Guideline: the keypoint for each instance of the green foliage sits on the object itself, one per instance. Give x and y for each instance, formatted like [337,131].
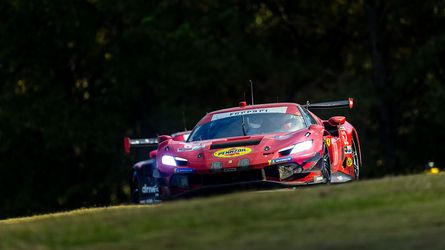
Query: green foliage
[77,76]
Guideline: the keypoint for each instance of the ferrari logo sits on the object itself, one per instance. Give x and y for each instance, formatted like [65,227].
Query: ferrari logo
[349,162]
[328,142]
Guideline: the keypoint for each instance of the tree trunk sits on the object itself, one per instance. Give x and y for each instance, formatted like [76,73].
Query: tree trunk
[376,26]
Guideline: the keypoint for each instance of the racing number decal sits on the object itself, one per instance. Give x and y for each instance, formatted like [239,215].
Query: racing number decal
[232,152]
[349,162]
[328,142]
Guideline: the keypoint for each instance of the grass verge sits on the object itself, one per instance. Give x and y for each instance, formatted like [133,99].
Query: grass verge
[391,213]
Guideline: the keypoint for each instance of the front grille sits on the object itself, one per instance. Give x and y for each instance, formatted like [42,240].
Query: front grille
[233,177]
[272,173]
[217,178]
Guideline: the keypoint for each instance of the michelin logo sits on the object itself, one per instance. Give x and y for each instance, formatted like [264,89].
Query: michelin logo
[280,160]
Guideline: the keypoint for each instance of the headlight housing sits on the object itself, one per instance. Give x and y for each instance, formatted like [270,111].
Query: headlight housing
[173,161]
[296,148]
[302,146]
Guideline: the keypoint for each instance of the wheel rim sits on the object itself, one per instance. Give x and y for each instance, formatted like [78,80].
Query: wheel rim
[355,160]
[326,168]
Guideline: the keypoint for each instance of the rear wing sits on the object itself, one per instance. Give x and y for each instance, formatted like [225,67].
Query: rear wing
[153,142]
[331,105]
[139,143]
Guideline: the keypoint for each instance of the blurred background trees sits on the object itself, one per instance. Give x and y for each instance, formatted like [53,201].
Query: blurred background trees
[78,76]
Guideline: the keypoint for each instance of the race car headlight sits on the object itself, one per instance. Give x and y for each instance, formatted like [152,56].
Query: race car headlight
[173,161]
[168,160]
[180,161]
[302,146]
[286,150]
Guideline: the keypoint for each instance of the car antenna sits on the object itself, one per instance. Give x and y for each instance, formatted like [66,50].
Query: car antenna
[183,121]
[251,91]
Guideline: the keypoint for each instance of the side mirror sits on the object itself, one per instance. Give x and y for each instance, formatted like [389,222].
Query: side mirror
[162,138]
[337,120]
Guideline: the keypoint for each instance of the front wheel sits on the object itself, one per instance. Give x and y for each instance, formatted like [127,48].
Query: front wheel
[326,165]
[143,186]
[355,160]
[135,187]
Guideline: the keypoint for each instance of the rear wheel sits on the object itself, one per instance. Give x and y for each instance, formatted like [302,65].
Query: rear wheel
[326,165]
[355,160]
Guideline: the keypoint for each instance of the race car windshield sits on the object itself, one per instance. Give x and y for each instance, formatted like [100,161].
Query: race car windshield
[250,124]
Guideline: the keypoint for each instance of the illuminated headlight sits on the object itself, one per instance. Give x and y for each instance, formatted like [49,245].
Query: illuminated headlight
[286,150]
[173,161]
[296,148]
[168,160]
[302,146]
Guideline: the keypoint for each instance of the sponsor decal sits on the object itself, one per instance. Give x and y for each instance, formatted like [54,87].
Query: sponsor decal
[229,169]
[348,150]
[232,152]
[328,142]
[344,136]
[149,201]
[150,189]
[349,162]
[183,170]
[280,160]
[249,111]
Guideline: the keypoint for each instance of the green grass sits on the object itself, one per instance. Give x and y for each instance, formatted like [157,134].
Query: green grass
[391,213]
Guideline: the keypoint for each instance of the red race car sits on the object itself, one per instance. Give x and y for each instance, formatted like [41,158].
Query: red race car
[281,144]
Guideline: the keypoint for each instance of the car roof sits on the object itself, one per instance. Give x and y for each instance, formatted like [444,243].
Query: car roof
[283,107]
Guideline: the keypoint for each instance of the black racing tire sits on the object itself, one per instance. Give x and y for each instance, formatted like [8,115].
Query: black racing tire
[326,165]
[356,160]
[135,187]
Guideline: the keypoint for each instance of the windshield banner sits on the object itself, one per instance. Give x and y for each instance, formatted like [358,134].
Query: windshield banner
[248,112]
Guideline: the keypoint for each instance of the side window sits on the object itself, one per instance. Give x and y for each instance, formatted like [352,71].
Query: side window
[307,117]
